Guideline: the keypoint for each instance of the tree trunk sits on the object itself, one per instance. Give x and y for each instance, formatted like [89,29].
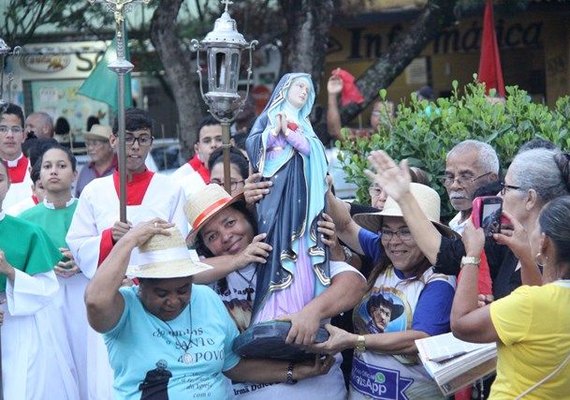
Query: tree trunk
[308,26]
[436,16]
[179,69]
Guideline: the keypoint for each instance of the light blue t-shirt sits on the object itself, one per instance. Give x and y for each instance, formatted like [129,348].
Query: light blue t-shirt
[147,359]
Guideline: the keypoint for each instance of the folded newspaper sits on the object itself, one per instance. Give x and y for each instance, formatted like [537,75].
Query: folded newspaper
[453,363]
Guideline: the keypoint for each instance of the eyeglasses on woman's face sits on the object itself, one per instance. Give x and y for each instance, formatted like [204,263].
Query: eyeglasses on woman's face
[505,188]
[234,185]
[403,234]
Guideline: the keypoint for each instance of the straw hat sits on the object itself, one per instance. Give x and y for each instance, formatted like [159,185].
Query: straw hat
[166,257]
[429,202]
[99,132]
[205,204]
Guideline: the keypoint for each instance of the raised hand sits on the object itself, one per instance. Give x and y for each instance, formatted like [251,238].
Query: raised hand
[393,178]
[473,239]
[334,84]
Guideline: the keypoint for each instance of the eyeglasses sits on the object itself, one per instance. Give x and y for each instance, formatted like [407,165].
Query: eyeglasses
[403,234]
[462,179]
[144,140]
[14,129]
[504,188]
[233,184]
[375,191]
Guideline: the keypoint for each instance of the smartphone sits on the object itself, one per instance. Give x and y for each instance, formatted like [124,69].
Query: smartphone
[486,214]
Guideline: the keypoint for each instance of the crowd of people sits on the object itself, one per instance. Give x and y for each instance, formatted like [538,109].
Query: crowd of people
[96,308]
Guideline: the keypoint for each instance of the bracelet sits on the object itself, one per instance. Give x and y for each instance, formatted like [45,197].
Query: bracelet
[290,380]
[470,261]
[360,344]
[347,254]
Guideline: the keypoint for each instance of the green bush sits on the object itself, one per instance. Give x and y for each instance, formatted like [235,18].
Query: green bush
[423,132]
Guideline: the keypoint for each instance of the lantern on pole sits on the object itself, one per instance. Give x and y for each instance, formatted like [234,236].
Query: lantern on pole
[6,51]
[223,47]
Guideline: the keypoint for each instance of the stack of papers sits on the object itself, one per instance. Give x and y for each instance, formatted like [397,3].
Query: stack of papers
[453,363]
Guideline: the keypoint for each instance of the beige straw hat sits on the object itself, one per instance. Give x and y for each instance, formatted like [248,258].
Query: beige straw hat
[99,132]
[166,257]
[429,202]
[205,204]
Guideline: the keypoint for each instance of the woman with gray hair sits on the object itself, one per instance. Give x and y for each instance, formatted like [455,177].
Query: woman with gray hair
[534,178]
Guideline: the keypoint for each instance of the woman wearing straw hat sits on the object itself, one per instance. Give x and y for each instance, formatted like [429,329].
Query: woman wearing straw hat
[225,231]
[406,279]
[167,338]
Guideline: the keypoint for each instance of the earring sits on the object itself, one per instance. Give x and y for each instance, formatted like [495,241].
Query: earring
[540,260]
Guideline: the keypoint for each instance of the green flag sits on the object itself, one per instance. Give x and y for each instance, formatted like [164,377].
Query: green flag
[102,83]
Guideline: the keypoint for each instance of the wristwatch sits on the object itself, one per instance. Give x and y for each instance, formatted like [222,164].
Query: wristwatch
[470,261]
[290,380]
[360,344]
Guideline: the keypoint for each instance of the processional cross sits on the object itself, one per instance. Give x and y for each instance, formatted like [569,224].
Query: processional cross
[121,67]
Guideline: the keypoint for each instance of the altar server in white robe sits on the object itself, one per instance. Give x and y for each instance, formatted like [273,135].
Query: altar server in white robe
[95,226]
[35,366]
[12,137]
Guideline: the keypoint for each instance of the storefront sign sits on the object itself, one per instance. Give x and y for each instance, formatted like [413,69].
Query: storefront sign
[45,63]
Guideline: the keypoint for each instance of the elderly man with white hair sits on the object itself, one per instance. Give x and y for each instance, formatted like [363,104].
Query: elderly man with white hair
[469,166]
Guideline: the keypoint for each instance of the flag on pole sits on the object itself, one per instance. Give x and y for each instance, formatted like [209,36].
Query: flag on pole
[102,83]
[490,71]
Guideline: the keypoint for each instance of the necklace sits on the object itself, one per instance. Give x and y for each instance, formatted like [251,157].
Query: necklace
[249,290]
[182,345]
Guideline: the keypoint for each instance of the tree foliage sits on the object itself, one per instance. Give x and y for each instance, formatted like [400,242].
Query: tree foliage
[423,132]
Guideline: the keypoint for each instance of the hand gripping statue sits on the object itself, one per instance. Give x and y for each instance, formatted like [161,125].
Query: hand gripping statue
[284,148]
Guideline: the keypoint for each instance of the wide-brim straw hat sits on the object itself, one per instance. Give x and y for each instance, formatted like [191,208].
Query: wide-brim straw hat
[203,205]
[428,200]
[163,257]
[99,132]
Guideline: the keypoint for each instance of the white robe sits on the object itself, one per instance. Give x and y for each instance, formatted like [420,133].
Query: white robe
[189,179]
[18,191]
[35,367]
[98,210]
[21,206]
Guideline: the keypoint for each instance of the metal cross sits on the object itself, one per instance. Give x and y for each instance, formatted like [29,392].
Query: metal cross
[227,3]
[121,67]
[119,7]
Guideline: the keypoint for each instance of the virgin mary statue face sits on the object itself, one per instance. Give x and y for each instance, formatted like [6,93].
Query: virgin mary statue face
[298,93]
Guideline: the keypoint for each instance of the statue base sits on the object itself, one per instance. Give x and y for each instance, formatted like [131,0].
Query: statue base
[267,340]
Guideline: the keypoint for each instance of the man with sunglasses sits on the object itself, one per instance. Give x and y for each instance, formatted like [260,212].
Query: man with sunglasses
[12,137]
[469,166]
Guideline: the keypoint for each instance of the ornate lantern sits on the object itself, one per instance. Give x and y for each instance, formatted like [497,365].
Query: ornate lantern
[223,47]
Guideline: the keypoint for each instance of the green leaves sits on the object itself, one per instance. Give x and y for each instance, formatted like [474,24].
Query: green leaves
[425,131]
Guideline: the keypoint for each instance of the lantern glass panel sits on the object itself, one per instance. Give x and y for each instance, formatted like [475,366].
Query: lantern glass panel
[234,72]
[221,71]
